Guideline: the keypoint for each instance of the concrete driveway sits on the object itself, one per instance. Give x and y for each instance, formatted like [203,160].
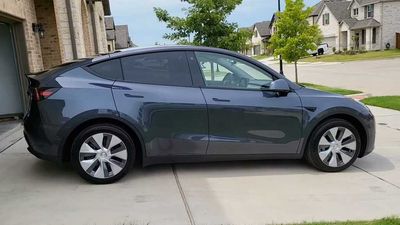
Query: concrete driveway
[262,192]
[379,77]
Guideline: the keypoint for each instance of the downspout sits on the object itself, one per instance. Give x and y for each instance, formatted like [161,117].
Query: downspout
[71,30]
[92,16]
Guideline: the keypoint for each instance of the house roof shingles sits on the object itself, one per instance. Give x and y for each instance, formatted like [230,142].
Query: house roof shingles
[263,28]
[339,9]
[360,24]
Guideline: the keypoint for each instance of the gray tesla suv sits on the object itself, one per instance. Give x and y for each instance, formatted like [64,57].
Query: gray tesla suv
[186,104]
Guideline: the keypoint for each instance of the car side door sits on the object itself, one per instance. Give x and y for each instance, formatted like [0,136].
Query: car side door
[157,95]
[244,116]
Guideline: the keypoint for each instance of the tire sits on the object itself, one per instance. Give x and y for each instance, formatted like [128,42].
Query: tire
[105,162]
[324,150]
[320,51]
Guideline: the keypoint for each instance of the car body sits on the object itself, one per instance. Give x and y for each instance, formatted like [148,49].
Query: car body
[320,50]
[182,104]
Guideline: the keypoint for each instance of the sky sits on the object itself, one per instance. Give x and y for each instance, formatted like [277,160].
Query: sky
[146,30]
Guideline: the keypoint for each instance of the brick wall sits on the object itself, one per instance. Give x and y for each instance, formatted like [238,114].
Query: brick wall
[24,10]
[50,44]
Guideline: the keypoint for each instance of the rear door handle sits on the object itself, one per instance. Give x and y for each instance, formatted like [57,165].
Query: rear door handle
[221,100]
[133,96]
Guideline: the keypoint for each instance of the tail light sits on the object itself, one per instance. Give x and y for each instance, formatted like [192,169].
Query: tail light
[43,93]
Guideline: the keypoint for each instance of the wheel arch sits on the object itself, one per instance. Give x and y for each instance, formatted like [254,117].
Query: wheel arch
[132,131]
[350,118]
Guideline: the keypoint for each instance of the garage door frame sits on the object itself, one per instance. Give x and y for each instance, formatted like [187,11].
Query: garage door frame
[20,54]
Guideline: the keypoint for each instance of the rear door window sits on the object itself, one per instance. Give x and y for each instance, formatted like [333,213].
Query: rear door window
[110,69]
[163,68]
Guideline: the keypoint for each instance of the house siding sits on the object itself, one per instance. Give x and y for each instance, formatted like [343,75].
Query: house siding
[330,31]
[390,23]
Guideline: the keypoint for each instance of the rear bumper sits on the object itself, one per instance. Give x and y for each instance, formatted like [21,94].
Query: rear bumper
[34,150]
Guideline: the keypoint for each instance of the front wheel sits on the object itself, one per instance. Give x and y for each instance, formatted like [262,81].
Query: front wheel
[334,146]
[102,154]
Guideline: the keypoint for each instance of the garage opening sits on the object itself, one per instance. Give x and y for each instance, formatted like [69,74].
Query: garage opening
[10,83]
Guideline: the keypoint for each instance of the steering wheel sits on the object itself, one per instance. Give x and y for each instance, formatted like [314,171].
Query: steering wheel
[232,80]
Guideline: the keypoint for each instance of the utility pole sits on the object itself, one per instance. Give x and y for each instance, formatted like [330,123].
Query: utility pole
[280,56]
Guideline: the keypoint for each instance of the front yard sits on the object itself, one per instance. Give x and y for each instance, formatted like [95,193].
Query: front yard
[387,54]
[390,102]
[385,221]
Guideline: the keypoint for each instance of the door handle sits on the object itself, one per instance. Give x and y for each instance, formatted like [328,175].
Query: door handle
[221,100]
[133,96]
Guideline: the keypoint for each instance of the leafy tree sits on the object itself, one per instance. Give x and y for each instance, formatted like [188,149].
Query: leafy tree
[294,36]
[206,23]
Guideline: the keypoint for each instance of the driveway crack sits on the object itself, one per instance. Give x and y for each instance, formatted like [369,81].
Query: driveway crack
[380,178]
[182,193]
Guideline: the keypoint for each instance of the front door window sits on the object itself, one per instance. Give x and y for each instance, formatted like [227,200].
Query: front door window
[229,72]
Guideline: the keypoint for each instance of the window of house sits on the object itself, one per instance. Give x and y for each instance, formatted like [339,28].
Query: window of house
[355,12]
[325,19]
[230,72]
[110,69]
[374,36]
[363,37]
[164,68]
[255,34]
[369,11]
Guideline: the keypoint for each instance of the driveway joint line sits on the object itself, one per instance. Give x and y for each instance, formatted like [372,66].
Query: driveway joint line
[380,178]
[183,196]
[9,146]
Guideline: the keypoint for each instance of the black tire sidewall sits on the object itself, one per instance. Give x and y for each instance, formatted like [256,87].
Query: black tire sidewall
[102,128]
[312,155]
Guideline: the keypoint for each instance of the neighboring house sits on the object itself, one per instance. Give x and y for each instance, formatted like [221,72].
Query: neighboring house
[122,38]
[36,35]
[359,24]
[110,32]
[258,43]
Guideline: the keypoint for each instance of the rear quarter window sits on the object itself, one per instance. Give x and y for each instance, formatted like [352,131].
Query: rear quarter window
[163,68]
[110,69]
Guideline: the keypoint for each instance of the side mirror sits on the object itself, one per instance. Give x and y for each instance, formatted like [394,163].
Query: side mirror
[280,86]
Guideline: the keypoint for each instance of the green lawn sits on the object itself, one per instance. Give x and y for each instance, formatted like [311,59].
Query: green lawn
[385,221]
[390,102]
[260,57]
[331,89]
[387,54]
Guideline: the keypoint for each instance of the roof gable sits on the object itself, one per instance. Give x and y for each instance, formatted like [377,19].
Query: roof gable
[339,9]
[263,28]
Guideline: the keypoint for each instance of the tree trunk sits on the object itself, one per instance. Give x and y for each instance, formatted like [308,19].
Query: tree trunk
[295,72]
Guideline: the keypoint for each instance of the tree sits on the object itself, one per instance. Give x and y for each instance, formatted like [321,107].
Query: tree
[294,36]
[206,23]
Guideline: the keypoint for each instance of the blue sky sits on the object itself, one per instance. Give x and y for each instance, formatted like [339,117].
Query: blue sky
[145,29]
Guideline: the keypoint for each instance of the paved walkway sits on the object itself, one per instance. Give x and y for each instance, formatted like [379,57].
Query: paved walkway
[379,77]
[280,191]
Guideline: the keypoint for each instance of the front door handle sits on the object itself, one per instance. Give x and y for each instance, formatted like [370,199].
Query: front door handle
[221,100]
[133,96]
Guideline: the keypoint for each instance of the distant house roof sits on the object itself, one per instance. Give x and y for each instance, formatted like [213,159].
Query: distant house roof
[122,39]
[339,9]
[317,8]
[367,2]
[263,28]
[360,24]
[109,22]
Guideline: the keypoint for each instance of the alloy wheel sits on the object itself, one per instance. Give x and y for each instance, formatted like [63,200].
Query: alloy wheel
[103,155]
[337,147]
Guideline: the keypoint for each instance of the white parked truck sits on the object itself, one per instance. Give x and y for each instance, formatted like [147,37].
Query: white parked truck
[321,49]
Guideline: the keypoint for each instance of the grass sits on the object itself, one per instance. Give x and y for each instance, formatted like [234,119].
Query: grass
[334,90]
[387,54]
[260,57]
[390,102]
[384,221]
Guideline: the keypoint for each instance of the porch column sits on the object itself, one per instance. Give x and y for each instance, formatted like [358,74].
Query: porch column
[349,40]
[368,39]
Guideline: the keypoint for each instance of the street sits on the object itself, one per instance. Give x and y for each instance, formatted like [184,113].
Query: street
[381,77]
[256,192]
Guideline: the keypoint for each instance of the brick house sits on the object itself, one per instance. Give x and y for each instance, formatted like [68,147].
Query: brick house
[39,34]
[358,24]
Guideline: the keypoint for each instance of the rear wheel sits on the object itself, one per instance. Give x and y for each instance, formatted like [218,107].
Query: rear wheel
[334,146]
[320,51]
[102,154]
